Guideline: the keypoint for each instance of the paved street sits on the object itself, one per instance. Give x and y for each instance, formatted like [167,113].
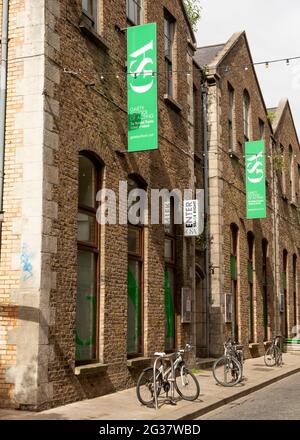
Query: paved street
[123,405]
[280,401]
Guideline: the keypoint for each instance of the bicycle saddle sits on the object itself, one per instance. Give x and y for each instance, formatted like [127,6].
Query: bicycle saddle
[159,354]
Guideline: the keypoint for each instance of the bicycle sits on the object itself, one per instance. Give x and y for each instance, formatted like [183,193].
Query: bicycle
[228,369]
[273,355]
[185,382]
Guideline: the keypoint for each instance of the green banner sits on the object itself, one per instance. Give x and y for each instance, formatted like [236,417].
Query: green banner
[142,88]
[256,180]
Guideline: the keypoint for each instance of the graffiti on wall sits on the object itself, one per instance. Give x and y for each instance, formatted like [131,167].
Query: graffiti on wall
[26,262]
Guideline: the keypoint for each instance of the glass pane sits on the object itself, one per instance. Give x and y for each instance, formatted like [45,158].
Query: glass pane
[86,307]
[139,13]
[85,5]
[131,11]
[86,227]
[169,78]
[169,309]
[134,319]
[88,6]
[134,240]
[87,182]
[168,250]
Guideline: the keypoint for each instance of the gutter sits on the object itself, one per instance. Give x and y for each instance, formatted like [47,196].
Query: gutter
[206,211]
[3,96]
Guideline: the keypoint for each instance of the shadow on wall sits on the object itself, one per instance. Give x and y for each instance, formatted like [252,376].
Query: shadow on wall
[84,387]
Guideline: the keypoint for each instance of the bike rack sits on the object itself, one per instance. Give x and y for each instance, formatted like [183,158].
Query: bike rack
[169,358]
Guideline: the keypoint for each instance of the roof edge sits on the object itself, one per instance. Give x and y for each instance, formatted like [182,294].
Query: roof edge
[188,21]
[283,105]
[227,47]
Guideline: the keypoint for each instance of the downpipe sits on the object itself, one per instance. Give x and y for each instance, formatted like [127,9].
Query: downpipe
[206,209]
[3,96]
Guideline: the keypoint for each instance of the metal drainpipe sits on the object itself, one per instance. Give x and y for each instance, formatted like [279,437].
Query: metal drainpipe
[3,93]
[206,209]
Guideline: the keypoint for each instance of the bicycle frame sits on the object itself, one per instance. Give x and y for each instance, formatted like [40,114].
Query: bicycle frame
[166,372]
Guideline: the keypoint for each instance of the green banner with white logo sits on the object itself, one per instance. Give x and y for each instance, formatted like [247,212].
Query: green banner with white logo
[142,88]
[255,180]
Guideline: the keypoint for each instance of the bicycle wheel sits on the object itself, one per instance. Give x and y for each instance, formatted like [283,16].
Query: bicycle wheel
[145,386]
[278,356]
[270,356]
[227,371]
[186,384]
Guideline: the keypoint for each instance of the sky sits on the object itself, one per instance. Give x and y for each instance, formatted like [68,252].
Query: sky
[273,32]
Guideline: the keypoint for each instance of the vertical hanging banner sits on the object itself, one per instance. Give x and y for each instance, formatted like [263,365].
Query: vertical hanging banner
[142,88]
[255,180]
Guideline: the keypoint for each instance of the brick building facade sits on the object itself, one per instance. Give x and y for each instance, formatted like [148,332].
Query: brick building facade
[287,174]
[247,256]
[83,306]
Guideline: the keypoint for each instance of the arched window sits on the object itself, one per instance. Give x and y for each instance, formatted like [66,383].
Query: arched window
[246,115]
[234,278]
[87,303]
[231,128]
[292,173]
[285,294]
[170,269]
[283,174]
[250,239]
[135,324]
[295,296]
[265,287]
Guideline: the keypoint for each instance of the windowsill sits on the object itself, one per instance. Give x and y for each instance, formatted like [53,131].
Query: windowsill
[90,369]
[88,30]
[234,155]
[131,23]
[138,362]
[172,103]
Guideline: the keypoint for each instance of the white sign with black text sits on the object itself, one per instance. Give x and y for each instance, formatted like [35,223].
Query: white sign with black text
[191,218]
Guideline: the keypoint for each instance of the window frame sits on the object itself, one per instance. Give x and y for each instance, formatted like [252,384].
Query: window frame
[285,286]
[92,17]
[251,284]
[139,257]
[292,173]
[231,98]
[246,115]
[265,249]
[138,8]
[93,248]
[135,182]
[234,252]
[283,174]
[171,264]
[169,41]
[295,290]
[262,128]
